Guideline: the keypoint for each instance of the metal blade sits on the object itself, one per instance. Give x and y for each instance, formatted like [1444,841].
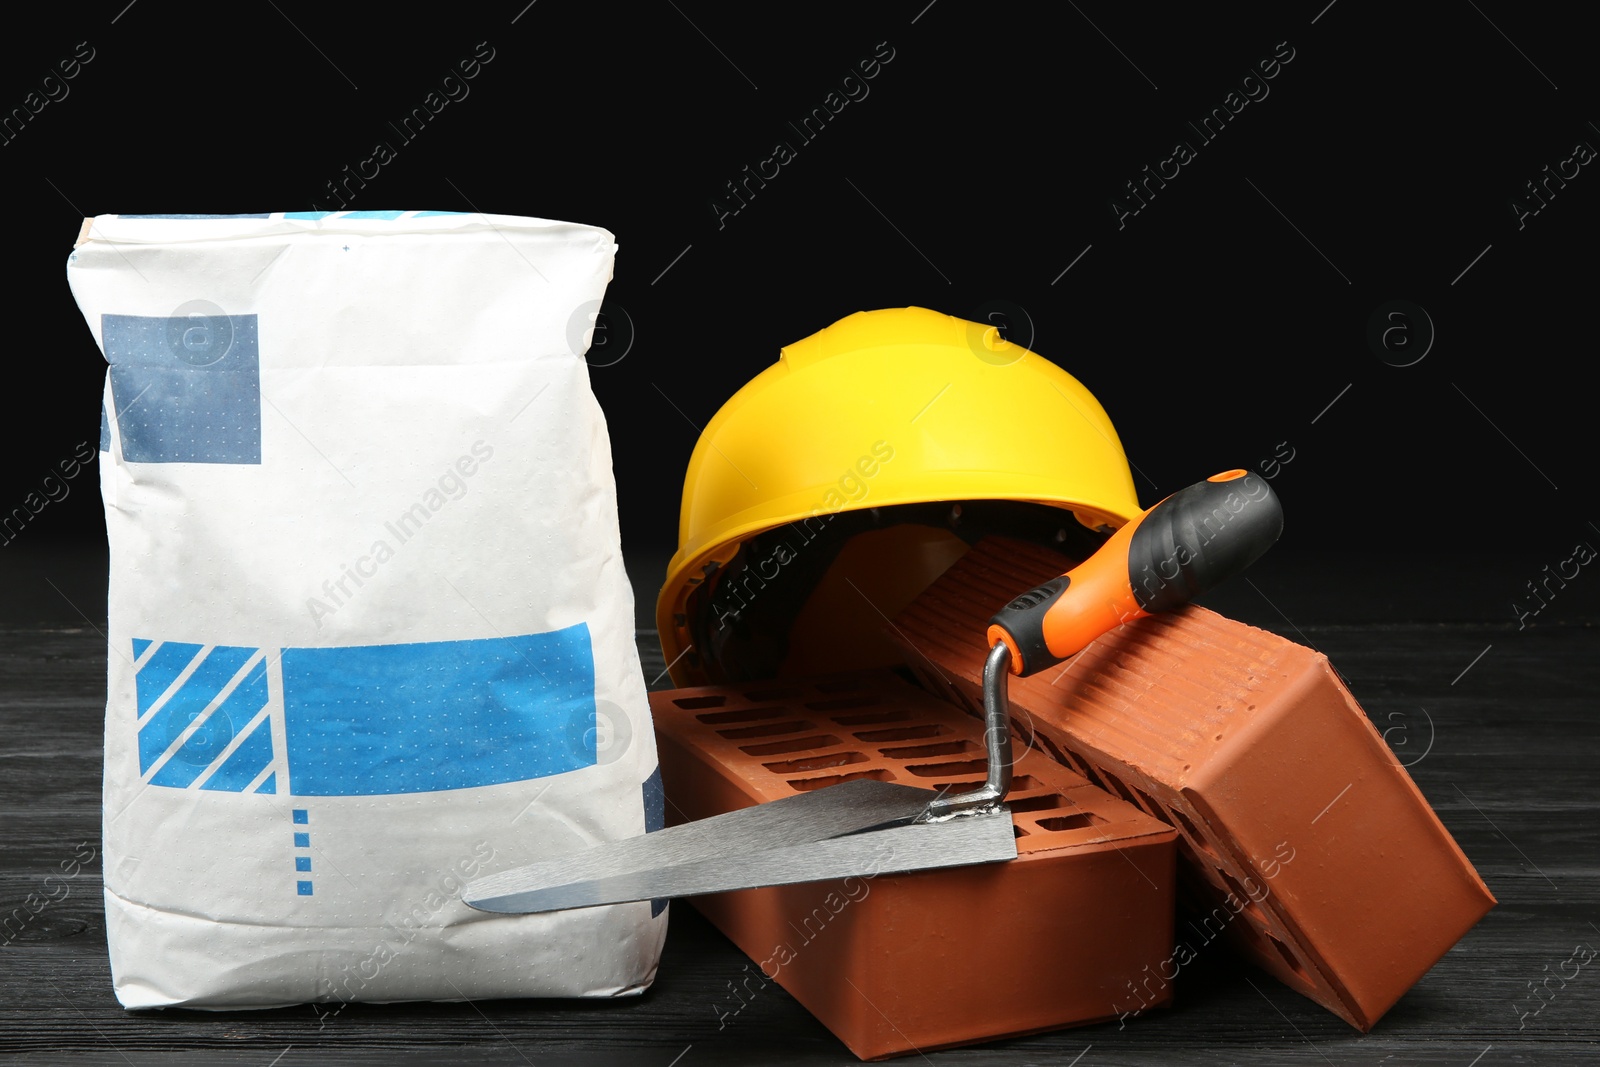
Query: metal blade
[918,846]
[805,817]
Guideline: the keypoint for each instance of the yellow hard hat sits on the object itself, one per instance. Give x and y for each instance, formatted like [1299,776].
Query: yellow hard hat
[881,410]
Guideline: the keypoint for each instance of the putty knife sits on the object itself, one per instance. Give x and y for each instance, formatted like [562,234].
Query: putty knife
[1188,543]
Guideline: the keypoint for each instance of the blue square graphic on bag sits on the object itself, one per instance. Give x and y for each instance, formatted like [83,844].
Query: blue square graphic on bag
[187,387]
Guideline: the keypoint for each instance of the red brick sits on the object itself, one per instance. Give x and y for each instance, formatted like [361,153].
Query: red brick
[1252,747]
[896,963]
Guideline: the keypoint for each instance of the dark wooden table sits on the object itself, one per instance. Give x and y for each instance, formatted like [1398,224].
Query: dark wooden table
[1505,751]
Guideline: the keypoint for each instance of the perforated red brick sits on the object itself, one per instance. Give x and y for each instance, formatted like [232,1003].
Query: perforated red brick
[894,963]
[1286,797]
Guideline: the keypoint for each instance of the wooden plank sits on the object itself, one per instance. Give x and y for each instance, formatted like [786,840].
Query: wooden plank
[1511,772]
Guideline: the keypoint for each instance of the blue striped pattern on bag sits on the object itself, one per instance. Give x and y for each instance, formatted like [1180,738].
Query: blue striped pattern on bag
[366,720]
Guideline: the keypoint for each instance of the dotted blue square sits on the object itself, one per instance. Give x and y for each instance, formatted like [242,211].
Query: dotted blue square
[186,387]
[302,863]
[304,888]
[302,840]
[301,816]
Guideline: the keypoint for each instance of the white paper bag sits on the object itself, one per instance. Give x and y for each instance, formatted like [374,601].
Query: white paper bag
[370,634]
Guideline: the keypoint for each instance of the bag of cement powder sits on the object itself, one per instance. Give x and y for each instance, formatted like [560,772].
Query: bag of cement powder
[370,634]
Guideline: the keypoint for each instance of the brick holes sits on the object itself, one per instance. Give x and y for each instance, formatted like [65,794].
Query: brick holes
[936,770]
[1192,832]
[816,763]
[746,715]
[1090,772]
[1288,957]
[1252,911]
[1060,755]
[1118,788]
[1020,784]
[765,695]
[1047,802]
[867,718]
[941,748]
[900,733]
[691,703]
[769,730]
[793,744]
[805,785]
[844,702]
[1077,821]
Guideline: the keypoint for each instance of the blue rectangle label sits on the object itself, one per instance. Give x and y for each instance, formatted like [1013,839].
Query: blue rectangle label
[187,386]
[415,718]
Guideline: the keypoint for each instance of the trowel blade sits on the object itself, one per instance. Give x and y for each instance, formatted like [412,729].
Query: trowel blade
[804,838]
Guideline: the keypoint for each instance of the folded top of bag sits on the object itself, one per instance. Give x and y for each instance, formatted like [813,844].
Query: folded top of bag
[159,229]
[353,288]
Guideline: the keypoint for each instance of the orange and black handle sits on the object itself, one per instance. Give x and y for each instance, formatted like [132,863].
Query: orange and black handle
[1190,542]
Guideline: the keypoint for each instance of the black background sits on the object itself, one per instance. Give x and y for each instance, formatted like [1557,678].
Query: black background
[1224,322]
[1213,325]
